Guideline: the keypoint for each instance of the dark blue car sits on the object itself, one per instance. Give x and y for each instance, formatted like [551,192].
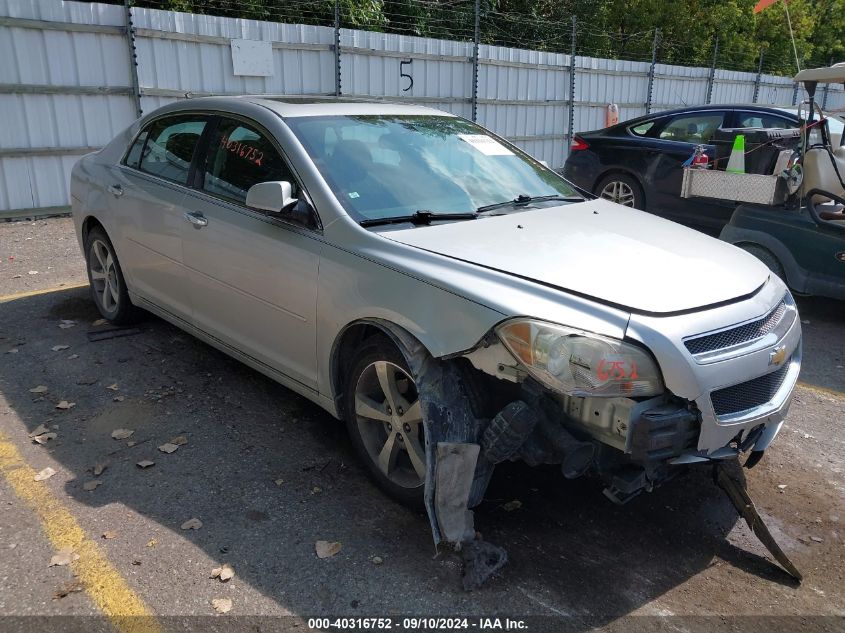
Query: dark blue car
[637,163]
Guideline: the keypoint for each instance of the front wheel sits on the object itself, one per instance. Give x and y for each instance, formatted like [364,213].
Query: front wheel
[108,287]
[385,423]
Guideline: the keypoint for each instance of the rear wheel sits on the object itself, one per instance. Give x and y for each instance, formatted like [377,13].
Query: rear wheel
[108,287]
[384,419]
[621,189]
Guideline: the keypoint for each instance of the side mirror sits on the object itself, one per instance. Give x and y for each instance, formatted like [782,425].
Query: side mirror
[274,196]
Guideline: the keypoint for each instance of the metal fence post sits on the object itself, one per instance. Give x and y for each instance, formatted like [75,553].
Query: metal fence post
[826,88]
[337,48]
[133,58]
[571,134]
[712,77]
[651,70]
[759,73]
[476,41]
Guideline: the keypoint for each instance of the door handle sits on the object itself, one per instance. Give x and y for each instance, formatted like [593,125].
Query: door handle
[116,190]
[197,219]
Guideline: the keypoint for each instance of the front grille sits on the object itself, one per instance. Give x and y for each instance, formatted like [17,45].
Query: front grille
[748,395]
[738,335]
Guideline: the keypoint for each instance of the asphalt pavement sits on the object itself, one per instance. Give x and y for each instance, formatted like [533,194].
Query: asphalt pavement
[267,474]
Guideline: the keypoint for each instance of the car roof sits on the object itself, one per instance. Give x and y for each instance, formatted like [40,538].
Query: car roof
[291,106]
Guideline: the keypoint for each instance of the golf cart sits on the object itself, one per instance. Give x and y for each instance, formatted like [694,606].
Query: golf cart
[792,218]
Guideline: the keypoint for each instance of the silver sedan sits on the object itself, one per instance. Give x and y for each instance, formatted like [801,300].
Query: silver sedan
[450,298]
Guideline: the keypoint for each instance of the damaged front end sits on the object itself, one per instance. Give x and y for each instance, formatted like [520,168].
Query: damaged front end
[545,394]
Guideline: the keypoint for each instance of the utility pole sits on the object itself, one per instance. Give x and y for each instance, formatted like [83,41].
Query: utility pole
[759,73]
[712,77]
[651,70]
[476,41]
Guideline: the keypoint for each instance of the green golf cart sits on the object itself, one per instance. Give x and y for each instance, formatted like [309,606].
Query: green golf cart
[793,220]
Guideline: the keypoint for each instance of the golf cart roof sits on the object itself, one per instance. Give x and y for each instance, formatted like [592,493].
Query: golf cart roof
[833,74]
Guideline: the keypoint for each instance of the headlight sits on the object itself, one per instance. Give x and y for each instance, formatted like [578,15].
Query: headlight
[579,363]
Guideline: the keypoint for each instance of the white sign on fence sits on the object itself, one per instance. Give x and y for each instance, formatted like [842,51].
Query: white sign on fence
[252,58]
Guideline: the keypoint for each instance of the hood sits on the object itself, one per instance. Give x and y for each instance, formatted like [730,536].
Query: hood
[598,249]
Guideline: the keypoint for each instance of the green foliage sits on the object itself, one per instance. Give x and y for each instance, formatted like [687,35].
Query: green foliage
[621,29]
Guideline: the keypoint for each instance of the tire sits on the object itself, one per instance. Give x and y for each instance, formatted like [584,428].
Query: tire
[621,189]
[108,286]
[387,430]
[768,258]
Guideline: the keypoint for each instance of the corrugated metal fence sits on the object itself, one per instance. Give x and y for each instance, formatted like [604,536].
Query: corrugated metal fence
[67,85]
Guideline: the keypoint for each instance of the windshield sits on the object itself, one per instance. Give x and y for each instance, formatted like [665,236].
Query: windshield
[382,166]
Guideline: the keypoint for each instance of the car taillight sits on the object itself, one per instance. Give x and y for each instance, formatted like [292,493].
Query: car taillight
[578,143]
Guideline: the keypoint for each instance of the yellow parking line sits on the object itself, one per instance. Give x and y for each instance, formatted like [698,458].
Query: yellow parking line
[103,583]
[34,293]
[825,390]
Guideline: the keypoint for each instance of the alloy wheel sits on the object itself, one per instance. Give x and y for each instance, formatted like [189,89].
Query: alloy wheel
[389,418]
[104,276]
[618,192]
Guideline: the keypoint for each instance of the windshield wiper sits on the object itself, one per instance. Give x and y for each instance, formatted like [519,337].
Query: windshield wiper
[421,217]
[523,199]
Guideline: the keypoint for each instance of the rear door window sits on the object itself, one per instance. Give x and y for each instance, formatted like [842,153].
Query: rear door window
[760,119]
[696,128]
[239,156]
[168,147]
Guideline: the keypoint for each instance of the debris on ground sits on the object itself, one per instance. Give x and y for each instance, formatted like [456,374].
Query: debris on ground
[510,506]
[377,560]
[179,440]
[105,333]
[192,524]
[109,534]
[38,430]
[118,398]
[145,463]
[43,438]
[45,474]
[65,405]
[63,557]
[59,348]
[113,387]
[326,549]
[74,586]
[222,605]
[99,322]
[279,482]
[122,434]
[168,448]
[224,573]
[66,323]
[39,389]
[99,468]
[481,560]
[92,485]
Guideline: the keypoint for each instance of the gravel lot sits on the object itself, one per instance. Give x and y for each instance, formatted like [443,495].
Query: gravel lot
[268,474]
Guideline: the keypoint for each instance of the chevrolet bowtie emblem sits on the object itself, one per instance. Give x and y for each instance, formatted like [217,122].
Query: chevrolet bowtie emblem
[777,355]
